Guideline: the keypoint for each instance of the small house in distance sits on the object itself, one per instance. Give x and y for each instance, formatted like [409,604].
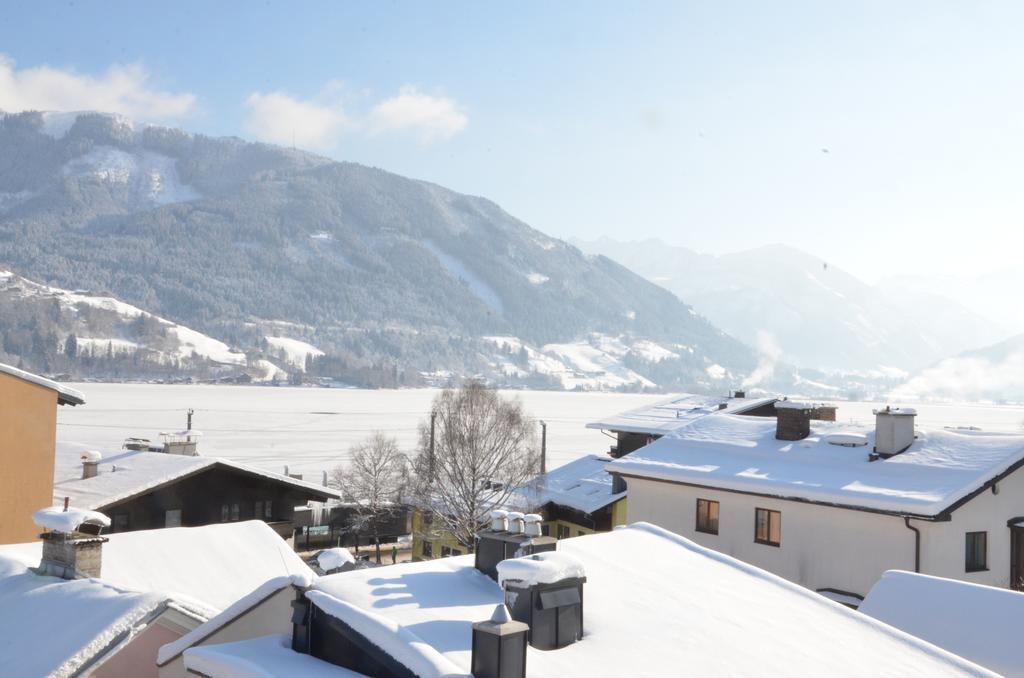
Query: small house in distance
[641,426]
[144,489]
[28,437]
[575,499]
[637,601]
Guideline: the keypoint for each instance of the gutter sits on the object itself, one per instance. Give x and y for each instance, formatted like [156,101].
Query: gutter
[917,543]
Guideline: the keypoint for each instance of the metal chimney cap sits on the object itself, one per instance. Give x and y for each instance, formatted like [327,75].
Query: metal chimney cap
[501,614]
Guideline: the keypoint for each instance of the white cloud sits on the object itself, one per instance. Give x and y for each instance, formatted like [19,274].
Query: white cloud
[320,122]
[279,118]
[124,89]
[430,117]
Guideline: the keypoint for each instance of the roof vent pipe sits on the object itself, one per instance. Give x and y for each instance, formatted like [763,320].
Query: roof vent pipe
[531,525]
[515,523]
[499,521]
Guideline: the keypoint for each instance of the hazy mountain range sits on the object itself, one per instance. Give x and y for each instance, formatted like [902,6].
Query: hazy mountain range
[385,275]
[811,313]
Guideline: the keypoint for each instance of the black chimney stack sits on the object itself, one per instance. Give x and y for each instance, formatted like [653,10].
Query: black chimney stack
[499,646]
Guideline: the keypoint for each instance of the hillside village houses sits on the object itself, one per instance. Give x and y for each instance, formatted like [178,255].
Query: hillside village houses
[28,420]
[831,506]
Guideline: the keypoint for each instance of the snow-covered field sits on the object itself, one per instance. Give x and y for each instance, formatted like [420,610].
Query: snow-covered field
[311,429]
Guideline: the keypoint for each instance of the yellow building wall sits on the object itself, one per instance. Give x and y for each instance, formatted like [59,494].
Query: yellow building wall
[422,533]
[28,438]
[619,512]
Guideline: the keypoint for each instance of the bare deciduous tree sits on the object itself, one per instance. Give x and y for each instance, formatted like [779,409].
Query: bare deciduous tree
[374,479]
[484,448]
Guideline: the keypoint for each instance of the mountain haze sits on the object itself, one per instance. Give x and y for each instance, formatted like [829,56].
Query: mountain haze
[813,313]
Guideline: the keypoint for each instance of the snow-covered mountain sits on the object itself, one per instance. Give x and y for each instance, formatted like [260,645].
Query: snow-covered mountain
[393,280]
[809,312]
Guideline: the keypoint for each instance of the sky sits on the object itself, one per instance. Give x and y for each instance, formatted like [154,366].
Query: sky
[883,137]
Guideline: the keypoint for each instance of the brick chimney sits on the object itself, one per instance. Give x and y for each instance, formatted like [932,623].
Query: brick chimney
[793,420]
[90,464]
[72,545]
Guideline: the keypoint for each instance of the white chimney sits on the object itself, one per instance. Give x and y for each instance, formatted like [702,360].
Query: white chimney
[894,430]
[531,524]
[499,521]
[515,523]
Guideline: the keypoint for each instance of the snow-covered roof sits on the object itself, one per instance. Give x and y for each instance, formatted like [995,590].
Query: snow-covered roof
[742,454]
[259,658]
[666,416]
[65,394]
[204,568]
[582,484]
[212,625]
[333,558]
[53,627]
[653,602]
[127,473]
[980,623]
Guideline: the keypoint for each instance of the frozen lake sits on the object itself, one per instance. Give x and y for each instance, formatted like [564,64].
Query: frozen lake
[311,429]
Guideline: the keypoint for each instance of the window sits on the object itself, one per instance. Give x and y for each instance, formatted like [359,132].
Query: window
[977,552]
[767,527]
[563,532]
[257,511]
[707,516]
[120,522]
[234,512]
[172,518]
[267,511]
[447,551]
[428,549]
[225,513]
[545,530]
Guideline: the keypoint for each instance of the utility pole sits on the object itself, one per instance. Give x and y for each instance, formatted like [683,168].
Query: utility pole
[433,421]
[543,447]
[190,412]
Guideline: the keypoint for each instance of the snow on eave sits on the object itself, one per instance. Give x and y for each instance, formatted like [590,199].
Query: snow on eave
[171,650]
[583,484]
[65,394]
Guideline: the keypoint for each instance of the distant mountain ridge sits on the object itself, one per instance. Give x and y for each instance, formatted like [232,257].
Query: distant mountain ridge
[377,270]
[813,313]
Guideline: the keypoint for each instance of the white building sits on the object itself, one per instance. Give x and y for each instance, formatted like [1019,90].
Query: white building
[651,604]
[832,506]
